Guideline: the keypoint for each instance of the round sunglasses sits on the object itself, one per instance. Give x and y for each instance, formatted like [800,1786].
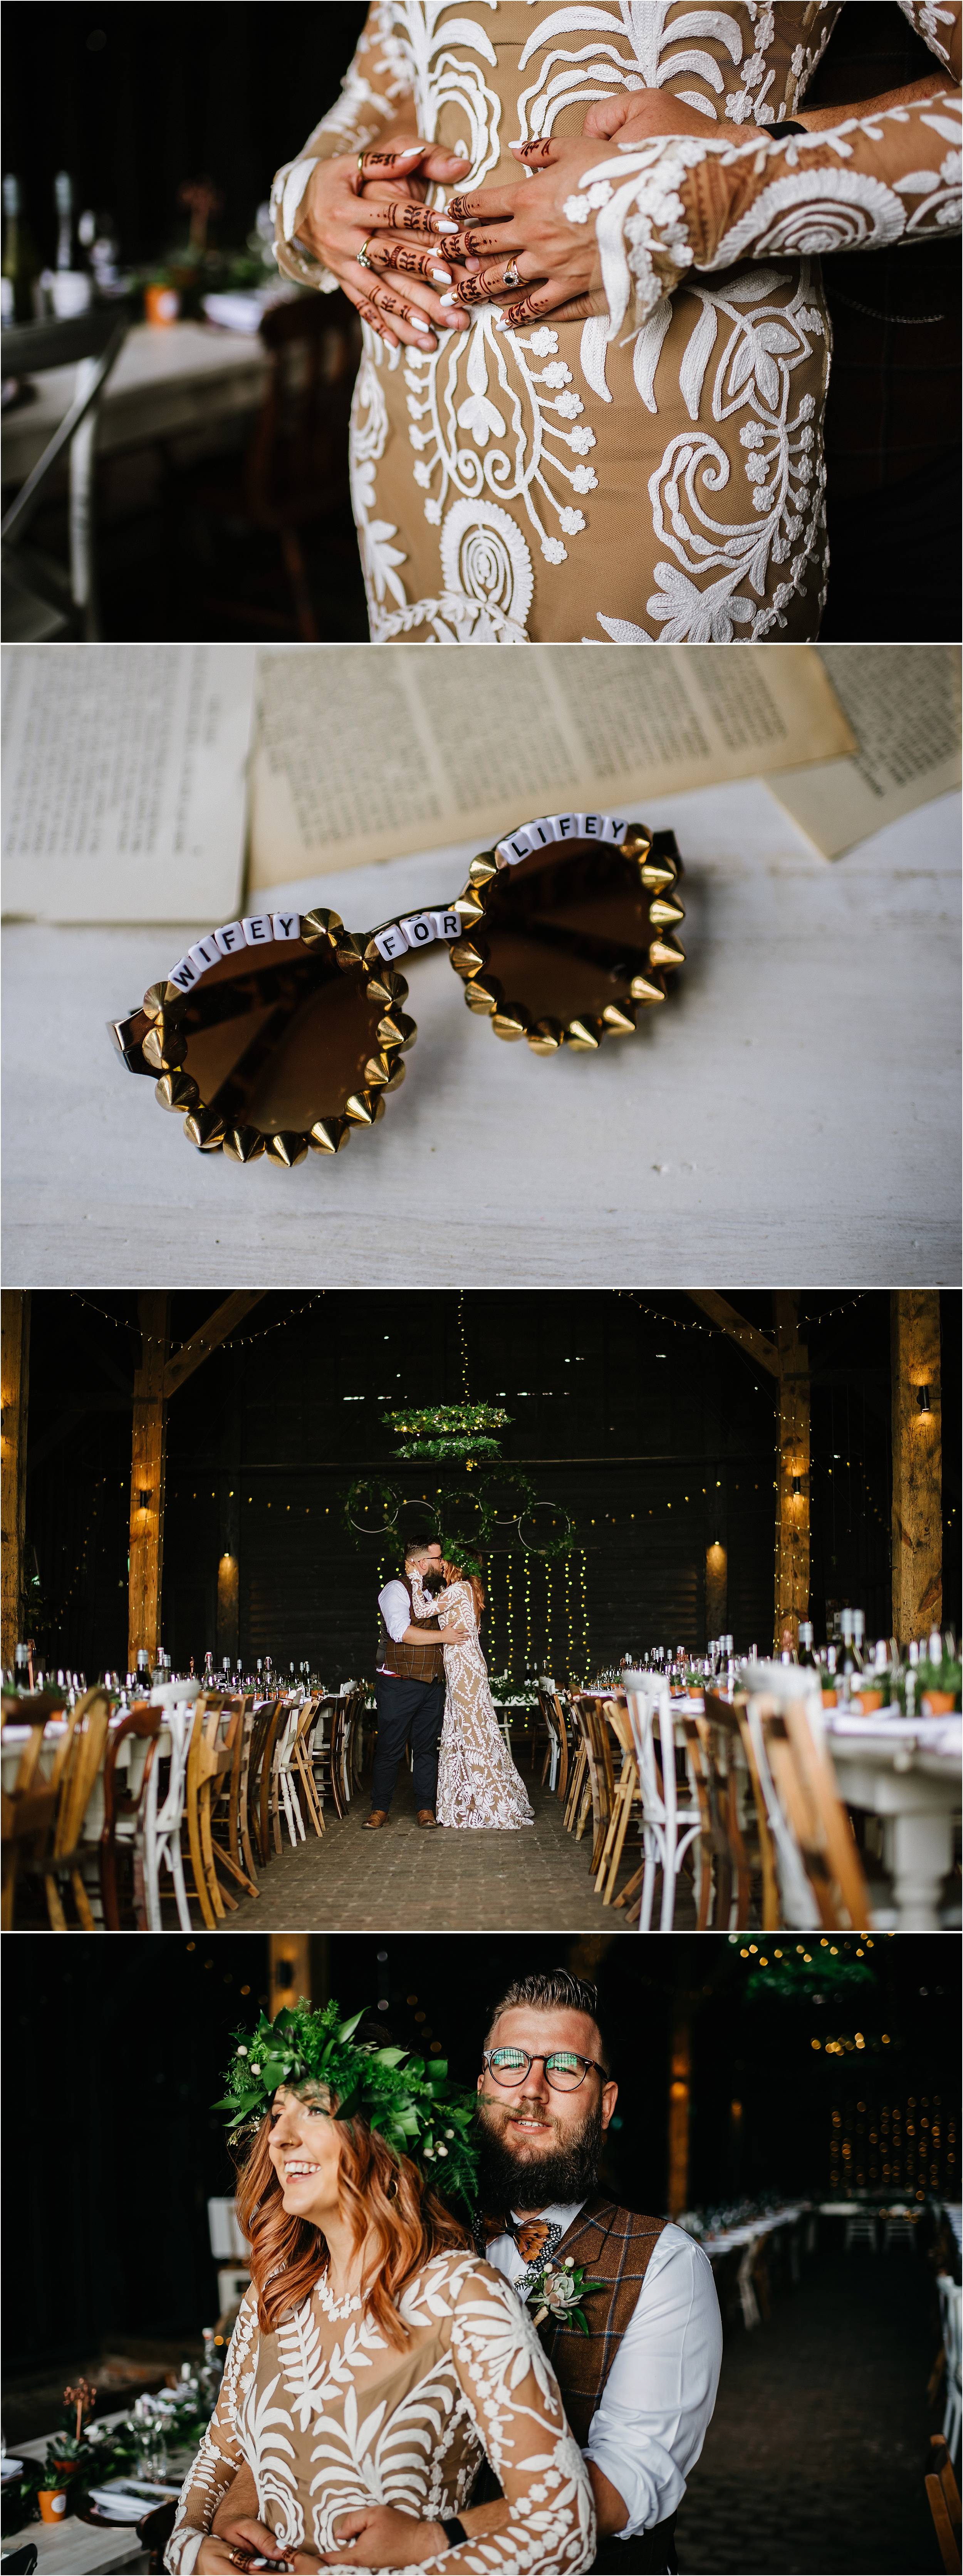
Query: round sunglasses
[280,1033]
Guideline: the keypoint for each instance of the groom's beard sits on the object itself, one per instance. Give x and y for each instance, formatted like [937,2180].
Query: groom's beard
[432,1582]
[565,2169]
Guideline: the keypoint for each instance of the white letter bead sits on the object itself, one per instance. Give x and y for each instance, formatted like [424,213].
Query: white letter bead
[594,826]
[542,832]
[204,953]
[231,937]
[185,973]
[567,826]
[286,925]
[447,925]
[616,827]
[391,942]
[419,929]
[516,846]
[257,929]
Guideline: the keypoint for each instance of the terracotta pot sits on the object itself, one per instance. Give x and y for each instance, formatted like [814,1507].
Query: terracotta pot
[829,1699]
[162,304]
[53,2503]
[937,1703]
[865,1700]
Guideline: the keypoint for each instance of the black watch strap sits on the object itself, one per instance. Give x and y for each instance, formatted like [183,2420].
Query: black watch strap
[454,2530]
[776,133]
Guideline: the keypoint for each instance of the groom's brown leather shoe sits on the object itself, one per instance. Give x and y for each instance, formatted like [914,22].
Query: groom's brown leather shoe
[426,1816]
[378,1816]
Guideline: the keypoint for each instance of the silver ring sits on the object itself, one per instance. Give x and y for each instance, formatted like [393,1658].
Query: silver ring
[510,276]
[363,260]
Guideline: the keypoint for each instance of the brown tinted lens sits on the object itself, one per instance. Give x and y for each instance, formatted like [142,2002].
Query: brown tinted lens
[277,1045]
[565,931]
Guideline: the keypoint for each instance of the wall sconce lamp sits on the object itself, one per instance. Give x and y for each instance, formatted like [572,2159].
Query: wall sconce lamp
[143,1497]
[796,1488]
[923,1404]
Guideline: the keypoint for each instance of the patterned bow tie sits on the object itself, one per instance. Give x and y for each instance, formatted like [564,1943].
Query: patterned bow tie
[531,2235]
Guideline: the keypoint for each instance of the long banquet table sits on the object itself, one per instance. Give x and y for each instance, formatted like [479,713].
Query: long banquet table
[170,381]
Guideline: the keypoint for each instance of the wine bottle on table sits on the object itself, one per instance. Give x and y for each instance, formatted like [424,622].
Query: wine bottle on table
[20,266]
[64,202]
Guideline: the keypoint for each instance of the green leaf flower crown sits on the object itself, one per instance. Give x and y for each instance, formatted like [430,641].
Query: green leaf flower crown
[409,2100]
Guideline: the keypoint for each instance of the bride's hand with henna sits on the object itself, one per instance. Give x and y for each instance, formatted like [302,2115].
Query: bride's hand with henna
[557,262]
[398,286]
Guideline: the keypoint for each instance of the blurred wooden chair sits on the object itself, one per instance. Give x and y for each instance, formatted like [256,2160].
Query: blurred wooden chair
[227,1810]
[812,1815]
[29,1808]
[599,1775]
[121,1839]
[301,1763]
[43,600]
[943,2498]
[328,1752]
[671,1825]
[626,1799]
[295,469]
[75,1773]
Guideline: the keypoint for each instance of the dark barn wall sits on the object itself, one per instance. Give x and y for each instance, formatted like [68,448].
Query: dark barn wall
[137,97]
[634,1406]
[648,1434]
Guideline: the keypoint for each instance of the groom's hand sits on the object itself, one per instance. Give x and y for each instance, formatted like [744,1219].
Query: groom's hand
[380,2537]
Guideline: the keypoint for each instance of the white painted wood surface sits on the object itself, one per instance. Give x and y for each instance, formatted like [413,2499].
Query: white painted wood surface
[792,1117]
[168,379]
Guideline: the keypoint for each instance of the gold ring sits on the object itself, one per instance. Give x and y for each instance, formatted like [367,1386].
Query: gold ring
[510,276]
[363,260]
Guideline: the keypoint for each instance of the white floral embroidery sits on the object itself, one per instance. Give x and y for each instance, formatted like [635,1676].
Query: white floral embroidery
[478,1785]
[330,2422]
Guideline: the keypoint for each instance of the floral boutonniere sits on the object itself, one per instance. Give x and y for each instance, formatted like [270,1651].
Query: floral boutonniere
[557,2291]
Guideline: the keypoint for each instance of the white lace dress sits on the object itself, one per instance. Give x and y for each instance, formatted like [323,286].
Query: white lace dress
[329,2416]
[478,1785]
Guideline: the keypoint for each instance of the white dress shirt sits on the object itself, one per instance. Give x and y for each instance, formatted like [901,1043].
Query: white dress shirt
[395,1609]
[650,2424]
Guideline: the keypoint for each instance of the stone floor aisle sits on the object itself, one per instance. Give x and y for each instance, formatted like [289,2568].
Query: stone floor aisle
[815,2457]
[403,1879]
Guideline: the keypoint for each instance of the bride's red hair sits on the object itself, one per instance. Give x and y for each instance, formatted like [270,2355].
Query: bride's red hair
[476,1587]
[395,2216]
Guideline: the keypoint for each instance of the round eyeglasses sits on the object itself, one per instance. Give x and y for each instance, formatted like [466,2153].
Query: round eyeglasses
[564,2071]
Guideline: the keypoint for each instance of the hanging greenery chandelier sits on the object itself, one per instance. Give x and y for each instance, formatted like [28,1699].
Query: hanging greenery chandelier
[469,1517]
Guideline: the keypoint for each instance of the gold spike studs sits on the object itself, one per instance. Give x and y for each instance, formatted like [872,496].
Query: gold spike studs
[176,1091]
[637,842]
[466,956]
[584,1035]
[647,988]
[162,1048]
[664,915]
[287,1147]
[469,909]
[329,1134]
[320,924]
[483,995]
[364,1107]
[620,1022]
[244,1144]
[658,872]
[397,1074]
[485,866]
[546,1037]
[510,1021]
[153,1002]
[666,952]
[205,1129]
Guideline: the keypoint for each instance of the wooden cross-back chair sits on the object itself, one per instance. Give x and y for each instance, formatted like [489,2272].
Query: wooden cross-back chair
[29,1808]
[742,1850]
[671,1823]
[75,1772]
[943,2498]
[599,1775]
[625,1798]
[121,1837]
[328,1754]
[579,1791]
[354,1748]
[555,1764]
[800,1769]
[227,1806]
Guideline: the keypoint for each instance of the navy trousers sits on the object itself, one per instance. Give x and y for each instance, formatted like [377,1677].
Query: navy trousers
[407,1711]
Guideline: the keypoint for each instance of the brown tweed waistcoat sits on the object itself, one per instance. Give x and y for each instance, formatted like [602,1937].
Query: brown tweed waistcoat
[615,2246]
[412,1663]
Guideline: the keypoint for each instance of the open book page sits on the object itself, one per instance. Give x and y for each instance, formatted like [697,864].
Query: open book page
[903,703]
[364,755]
[125,781]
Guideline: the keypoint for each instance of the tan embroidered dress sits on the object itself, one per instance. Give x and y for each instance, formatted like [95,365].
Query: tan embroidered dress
[328,2416]
[655,473]
[478,1785]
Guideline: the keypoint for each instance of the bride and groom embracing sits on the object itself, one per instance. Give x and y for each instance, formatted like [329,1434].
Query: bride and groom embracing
[432,1676]
[528,2390]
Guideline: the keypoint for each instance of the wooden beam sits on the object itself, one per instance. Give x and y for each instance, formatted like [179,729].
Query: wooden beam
[148,1458]
[729,1321]
[14,1394]
[680,2105]
[207,1339]
[917,1463]
[793,1465]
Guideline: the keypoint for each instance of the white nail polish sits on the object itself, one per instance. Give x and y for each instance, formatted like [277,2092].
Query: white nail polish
[444,226]
[442,276]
